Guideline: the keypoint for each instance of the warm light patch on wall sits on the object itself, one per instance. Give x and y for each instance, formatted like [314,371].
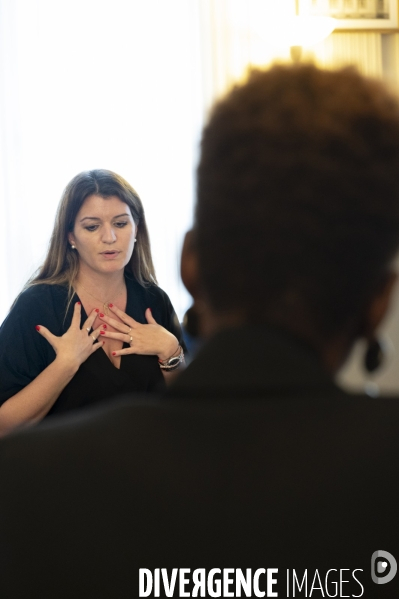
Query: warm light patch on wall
[285,25]
[257,33]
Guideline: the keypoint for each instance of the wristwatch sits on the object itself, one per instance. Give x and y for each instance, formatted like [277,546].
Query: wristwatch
[173,362]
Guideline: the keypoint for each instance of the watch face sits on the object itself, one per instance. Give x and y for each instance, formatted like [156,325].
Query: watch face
[174,361]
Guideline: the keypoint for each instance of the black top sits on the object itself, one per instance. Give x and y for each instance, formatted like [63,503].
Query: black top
[255,459]
[24,353]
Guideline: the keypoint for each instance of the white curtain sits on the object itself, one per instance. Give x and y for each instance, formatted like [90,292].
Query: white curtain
[96,84]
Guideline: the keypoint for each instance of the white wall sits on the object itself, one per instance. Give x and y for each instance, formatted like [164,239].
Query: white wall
[96,84]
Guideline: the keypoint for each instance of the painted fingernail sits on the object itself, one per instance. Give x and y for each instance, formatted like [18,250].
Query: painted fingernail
[110,305]
[150,310]
[78,303]
[114,353]
[102,332]
[104,326]
[37,327]
[101,315]
[103,342]
[97,310]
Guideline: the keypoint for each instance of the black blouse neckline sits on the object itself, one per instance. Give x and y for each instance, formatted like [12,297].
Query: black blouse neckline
[24,353]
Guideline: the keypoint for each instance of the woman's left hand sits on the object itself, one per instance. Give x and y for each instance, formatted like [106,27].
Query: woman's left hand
[148,339]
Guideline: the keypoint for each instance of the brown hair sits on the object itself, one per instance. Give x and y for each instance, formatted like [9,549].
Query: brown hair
[297,218]
[61,264]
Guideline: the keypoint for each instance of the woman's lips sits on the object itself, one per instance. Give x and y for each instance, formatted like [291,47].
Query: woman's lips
[110,255]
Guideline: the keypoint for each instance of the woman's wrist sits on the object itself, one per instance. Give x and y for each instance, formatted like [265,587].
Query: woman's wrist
[170,351]
[174,361]
[67,366]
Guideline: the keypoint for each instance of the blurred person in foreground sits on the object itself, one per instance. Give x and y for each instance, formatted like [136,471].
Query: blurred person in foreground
[255,459]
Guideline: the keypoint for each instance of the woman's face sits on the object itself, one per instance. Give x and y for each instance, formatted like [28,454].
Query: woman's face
[103,234]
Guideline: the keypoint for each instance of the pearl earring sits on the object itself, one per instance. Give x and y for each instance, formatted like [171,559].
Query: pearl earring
[73,247]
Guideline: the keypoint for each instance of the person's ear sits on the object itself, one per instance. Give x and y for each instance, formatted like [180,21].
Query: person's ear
[379,306]
[71,239]
[189,265]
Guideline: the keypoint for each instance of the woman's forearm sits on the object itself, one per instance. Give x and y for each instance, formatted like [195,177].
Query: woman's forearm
[34,401]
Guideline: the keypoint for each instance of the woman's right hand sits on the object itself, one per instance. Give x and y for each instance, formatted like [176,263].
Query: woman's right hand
[77,344]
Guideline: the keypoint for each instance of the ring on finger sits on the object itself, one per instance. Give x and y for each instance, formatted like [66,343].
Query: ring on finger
[131,339]
[88,329]
[94,338]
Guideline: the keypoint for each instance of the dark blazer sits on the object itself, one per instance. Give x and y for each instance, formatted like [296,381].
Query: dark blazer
[254,460]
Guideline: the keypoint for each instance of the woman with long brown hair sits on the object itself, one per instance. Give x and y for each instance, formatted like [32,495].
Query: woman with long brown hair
[92,323]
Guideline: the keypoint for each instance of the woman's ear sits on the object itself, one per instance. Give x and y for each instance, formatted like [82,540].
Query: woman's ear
[189,265]
[379,306]
[70,239]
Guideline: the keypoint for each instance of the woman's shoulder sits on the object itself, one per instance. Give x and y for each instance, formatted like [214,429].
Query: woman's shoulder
[147,291]
[41,294]
[40,304]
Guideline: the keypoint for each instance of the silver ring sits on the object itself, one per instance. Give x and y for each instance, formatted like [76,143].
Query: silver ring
[131,339]
[88,329]
[94,338]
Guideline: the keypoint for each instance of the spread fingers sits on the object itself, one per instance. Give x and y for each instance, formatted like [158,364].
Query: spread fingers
[119,326]
[90,320]
[128,320]
[126,338]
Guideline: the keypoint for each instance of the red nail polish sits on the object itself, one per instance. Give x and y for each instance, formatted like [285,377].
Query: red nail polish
[101,315]
[102,332]
[114,353]
[97,310]
[150,310]
[103,342]
[37,328]
[104,326]
[110,305]
[78,303]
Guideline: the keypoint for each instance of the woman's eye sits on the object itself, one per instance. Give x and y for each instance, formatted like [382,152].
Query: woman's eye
[121,224]
[91,227]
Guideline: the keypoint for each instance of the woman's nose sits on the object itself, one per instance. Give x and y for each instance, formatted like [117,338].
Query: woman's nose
[109,235]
